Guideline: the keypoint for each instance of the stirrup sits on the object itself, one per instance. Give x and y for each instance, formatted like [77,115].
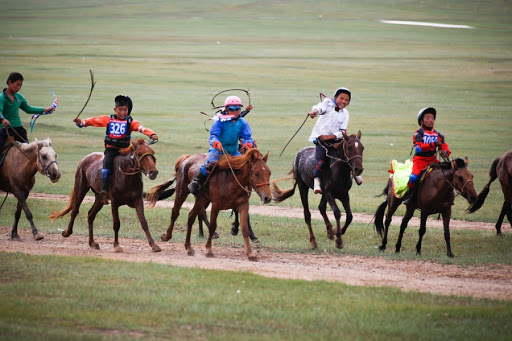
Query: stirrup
[194,187]
[104,197]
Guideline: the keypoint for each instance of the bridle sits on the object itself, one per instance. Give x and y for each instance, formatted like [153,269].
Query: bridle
[44,170]
[346,159]
[461,191]
[136,160]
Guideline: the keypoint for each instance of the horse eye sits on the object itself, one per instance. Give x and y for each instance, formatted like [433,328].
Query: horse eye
[45,157]
[461,178]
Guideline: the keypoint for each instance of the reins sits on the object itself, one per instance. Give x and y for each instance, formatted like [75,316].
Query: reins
[138,161]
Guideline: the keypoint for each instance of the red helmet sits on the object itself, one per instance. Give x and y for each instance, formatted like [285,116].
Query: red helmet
[232,100]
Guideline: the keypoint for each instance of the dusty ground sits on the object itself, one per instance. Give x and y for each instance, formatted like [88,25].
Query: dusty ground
[424,276]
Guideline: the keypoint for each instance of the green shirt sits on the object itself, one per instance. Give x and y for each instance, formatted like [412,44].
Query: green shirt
[10,109]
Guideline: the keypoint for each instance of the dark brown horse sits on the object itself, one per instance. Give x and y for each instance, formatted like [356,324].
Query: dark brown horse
[17,176]
[435,194]
[346,161]
[161,192]
[125,188]
[501,169]
[229,187]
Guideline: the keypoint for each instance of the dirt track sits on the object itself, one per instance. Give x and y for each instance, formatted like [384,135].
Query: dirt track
[423,276]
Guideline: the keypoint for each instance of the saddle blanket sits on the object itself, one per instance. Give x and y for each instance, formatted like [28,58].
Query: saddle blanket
[400,173]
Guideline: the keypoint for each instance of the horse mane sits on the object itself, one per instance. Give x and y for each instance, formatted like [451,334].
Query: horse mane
[128,150]
[448,164]
[238,163]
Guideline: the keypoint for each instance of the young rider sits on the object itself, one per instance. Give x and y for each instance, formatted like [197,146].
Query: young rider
[225,134]
[331,125]
[10,103]
[118,134]
[426,142]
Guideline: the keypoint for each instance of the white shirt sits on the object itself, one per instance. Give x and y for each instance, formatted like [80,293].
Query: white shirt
[330,121]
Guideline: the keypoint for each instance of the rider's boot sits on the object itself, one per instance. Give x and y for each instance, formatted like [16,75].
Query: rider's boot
[316,186]
[197,183]
[408,197]
[105,177]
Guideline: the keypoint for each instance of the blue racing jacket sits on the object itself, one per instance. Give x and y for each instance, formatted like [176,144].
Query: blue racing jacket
[229,132]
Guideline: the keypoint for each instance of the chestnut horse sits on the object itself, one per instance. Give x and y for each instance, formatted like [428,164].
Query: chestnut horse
[125,188]
[229,187]
[501,169]
[17,176]
[346,161]
[160,192]
[435,194]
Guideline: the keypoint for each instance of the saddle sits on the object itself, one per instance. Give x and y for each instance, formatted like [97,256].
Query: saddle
[400,173]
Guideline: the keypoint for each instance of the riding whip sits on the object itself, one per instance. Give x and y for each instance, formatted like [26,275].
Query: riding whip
[93,83]
[54,106]
[247,92]
[307,116]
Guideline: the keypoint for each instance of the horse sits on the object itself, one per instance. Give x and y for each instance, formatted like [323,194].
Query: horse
[435,194]
[501,169]
[160,192]
[17,176]
[125,189]
[229,187]
[346,162]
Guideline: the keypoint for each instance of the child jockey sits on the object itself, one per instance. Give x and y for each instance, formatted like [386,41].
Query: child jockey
[426,141]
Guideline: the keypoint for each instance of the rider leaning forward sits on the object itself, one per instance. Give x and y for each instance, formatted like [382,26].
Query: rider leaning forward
[426,142]
[117,136]
[10,103]
[226,133]
[331,125]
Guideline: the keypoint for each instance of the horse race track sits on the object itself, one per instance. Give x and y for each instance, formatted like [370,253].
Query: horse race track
[425,276]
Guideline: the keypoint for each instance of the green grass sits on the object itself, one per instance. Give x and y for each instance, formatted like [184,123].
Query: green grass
[62,298]
[171,58]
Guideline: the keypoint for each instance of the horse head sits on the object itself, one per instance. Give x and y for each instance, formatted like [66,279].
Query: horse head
[353,154]
[463,180]
[260,175]
[47,160]
[144,159]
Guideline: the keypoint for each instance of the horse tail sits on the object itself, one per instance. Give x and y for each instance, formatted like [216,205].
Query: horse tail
[480,199]
[278,194]
[379,218]
[56,215]
[159,193]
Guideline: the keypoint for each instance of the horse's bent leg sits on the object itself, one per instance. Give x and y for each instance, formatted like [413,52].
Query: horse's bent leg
[405,220]
[253,238]
[421,232]
[76,201]
[348,211]
[22,204]
[116,226]
[307,214]
[322,207]
[139,208]
[389,217]
[91,215]
[211,231]
[190,221]
[14,230]
[446,224]
[178,202]
[337,216]
[235,225]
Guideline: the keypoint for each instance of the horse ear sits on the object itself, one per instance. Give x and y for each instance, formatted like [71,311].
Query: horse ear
[466,161]
[359,134]
[265,158]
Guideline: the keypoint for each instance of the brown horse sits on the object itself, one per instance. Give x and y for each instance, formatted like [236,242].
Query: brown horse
[346,162]
[435,194]
[125,188]
[501,169]
[161,192]
[17,176]
[229,187]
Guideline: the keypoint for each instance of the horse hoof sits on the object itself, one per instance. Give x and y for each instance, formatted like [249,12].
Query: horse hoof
[234,232]
[252,258]
[451,255]
[215,236]
[156,248]
[65,234]
[164,238]
[209,254]
[118,249]
[330,236]
[382,248]
[16,238]
[38,236]
[190,252]
[339,245]
[314,246]
[95,246]
[255,240]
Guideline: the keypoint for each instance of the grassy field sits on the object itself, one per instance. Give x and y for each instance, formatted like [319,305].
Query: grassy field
[171,58]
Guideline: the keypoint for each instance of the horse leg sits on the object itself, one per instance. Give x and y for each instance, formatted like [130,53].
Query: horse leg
[178,202]
[91,215]
[22,204]
[509,212]
[392,207]
[236,224]
[139,208]
[194,212]
[501,217]
[116,226]
[244,218]
[337,216]
[322,207]
[76,201]
[253,238]
[421,232]
[405,220]
[446,225]
[349,216]
[307,214]
[211,231]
